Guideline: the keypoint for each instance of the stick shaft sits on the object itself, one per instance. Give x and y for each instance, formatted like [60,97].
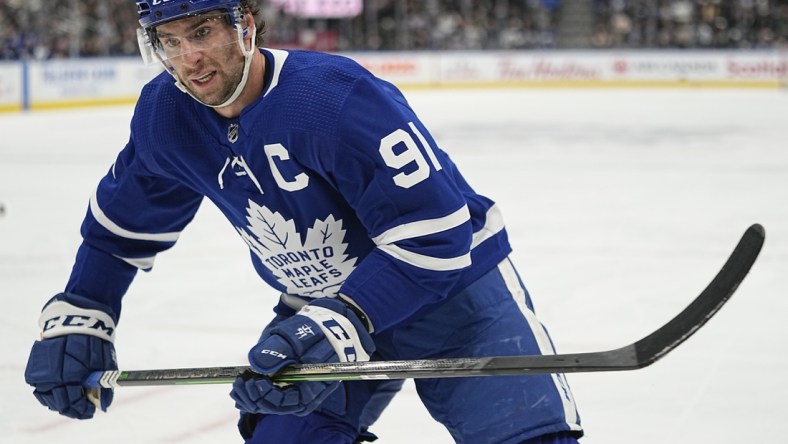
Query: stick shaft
[630,357]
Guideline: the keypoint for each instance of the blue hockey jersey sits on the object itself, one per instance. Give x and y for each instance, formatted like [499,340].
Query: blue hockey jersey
[329,177]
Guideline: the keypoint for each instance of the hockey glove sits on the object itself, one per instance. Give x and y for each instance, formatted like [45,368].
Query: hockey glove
[76,339]
[326,330]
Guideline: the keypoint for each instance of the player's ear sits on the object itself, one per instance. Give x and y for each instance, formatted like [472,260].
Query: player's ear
[248,23]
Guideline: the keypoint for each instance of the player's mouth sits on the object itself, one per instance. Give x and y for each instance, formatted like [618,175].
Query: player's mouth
[204,79]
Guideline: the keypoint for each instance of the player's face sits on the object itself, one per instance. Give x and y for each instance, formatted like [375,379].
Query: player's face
[205,54]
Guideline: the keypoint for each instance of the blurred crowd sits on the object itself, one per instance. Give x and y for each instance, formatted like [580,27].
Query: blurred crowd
[436,24]
[747,24]
[43,29]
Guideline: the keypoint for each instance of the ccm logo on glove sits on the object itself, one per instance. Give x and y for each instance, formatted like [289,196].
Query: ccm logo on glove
[273,353]
[61,318]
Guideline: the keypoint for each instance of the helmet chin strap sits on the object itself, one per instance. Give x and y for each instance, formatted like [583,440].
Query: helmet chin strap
[247,63]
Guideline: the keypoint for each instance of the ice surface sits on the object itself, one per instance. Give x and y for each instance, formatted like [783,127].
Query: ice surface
[621,206]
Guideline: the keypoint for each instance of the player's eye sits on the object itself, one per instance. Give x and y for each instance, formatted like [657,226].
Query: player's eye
[169,42]
[202,32]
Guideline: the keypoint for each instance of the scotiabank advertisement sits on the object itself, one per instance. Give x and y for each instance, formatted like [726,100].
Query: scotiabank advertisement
[757,67]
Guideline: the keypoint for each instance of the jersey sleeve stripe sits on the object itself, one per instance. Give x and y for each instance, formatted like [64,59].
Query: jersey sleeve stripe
[143,263]
[493,224]
[113,228]
[427,262]
[423,227]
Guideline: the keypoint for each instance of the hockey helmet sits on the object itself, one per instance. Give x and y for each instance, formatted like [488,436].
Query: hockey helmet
[152,13]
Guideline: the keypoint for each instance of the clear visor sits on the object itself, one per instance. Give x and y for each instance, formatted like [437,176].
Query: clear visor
[171,42]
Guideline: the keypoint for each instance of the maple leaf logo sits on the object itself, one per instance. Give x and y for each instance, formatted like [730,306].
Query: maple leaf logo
[314,267]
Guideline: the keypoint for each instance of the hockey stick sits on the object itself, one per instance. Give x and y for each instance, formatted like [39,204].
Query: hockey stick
[630,357]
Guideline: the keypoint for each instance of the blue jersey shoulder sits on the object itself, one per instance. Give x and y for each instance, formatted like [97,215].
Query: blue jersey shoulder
[309,91]
[161,116]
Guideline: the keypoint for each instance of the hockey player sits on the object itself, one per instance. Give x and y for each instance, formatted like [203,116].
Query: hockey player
[380,248]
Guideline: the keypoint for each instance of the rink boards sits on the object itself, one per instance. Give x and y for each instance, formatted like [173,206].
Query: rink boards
[98,81]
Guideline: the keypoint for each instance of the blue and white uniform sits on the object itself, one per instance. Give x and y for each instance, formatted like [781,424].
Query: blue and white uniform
[337,187]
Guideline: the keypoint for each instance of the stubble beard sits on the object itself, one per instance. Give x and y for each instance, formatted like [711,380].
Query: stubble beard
[229,72]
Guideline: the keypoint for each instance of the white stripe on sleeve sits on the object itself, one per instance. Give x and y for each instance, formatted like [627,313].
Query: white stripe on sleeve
[493,223]
[113,228]
[424,227]
[427,262]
